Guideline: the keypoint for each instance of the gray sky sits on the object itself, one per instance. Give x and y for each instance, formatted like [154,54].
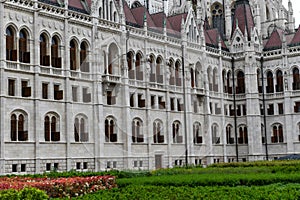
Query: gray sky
[296,7]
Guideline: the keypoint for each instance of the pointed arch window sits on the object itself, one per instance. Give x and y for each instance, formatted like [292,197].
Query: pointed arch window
[73,55]
[176,130]
[24,54]
[215,80]
[44,55]
[110,130]
[270,82]
[18,124]
[55,59]
[215,134]
[177,73]
[11,52]
[243,135]
[138,67]
[296,79]
[159,76]
[229,135]
[240,89]
[51,128]
[84,64]
[279,80]
[137,134]
[158,135]
[131,71]
[277,134]
[80,129]
[198,139]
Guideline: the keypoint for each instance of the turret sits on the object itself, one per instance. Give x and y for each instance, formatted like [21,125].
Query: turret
[291,19]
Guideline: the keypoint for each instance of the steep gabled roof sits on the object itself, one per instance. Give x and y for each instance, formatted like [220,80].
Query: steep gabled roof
[139,13]
[158,19]
[78,5]
[243,17]
[175,21]
[212,38]
[296,39]
[274,41]
[128,14]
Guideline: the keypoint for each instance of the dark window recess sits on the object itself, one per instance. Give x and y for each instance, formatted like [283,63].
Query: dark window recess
[58,94]
[141,101]
[217,110]
[111,100]
[297,107]
[179,105]
[45,90]
[152,101]
[172,103]
[271,109]
[74,94]
[131,100]
[11,87]
[48,166]
[23,167]
[78,165]
[280,109]
[85,165]
[244,109]
[161,103]
[26,91]
[14,168]
[55,166]
[86,97]
[11,53]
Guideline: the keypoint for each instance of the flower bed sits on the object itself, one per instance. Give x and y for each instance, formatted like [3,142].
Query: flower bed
[60,187]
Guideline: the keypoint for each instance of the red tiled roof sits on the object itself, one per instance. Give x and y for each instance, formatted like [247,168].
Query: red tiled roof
[175,21]
[128,14]
[243,18]
[78,4]
[158,19]
[212,36]
[138,14]
[274,41]
[296,38]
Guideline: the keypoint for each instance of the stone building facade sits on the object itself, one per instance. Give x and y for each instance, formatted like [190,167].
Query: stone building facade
[111,84]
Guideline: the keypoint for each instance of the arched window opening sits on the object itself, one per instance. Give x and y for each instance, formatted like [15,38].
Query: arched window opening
[209,77]
[24,54]
[158,136]
[138,67]
[55,59]
[215,81]
[110,134]
[270,84]
[80,129]
[11,52]
[51,129]
[44,57]
[215,134]
[18,130]
[296,79]
[131,71]
[198,139]
[229,83]
[218,21]
[279,80]
[243,135]
[73,55]
[84,64]
[113,60]
[277,134]
[176,130]
[177,73]
[151,60]
[137,135]
[159,76]
[229,135]
[111,10]
[240,89]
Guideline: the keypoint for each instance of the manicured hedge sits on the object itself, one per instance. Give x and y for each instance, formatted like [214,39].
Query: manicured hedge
[26,193]
[272,192]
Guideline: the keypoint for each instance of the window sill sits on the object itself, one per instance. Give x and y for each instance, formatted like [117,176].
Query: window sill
[19,142]
[119,143]
[82,142]
[52,142]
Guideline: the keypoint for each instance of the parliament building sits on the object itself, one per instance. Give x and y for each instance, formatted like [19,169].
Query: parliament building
[93,85]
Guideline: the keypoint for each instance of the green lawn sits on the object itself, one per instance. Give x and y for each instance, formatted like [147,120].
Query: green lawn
[252,180]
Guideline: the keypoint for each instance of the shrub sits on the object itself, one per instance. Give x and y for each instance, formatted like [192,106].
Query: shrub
[25,194]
